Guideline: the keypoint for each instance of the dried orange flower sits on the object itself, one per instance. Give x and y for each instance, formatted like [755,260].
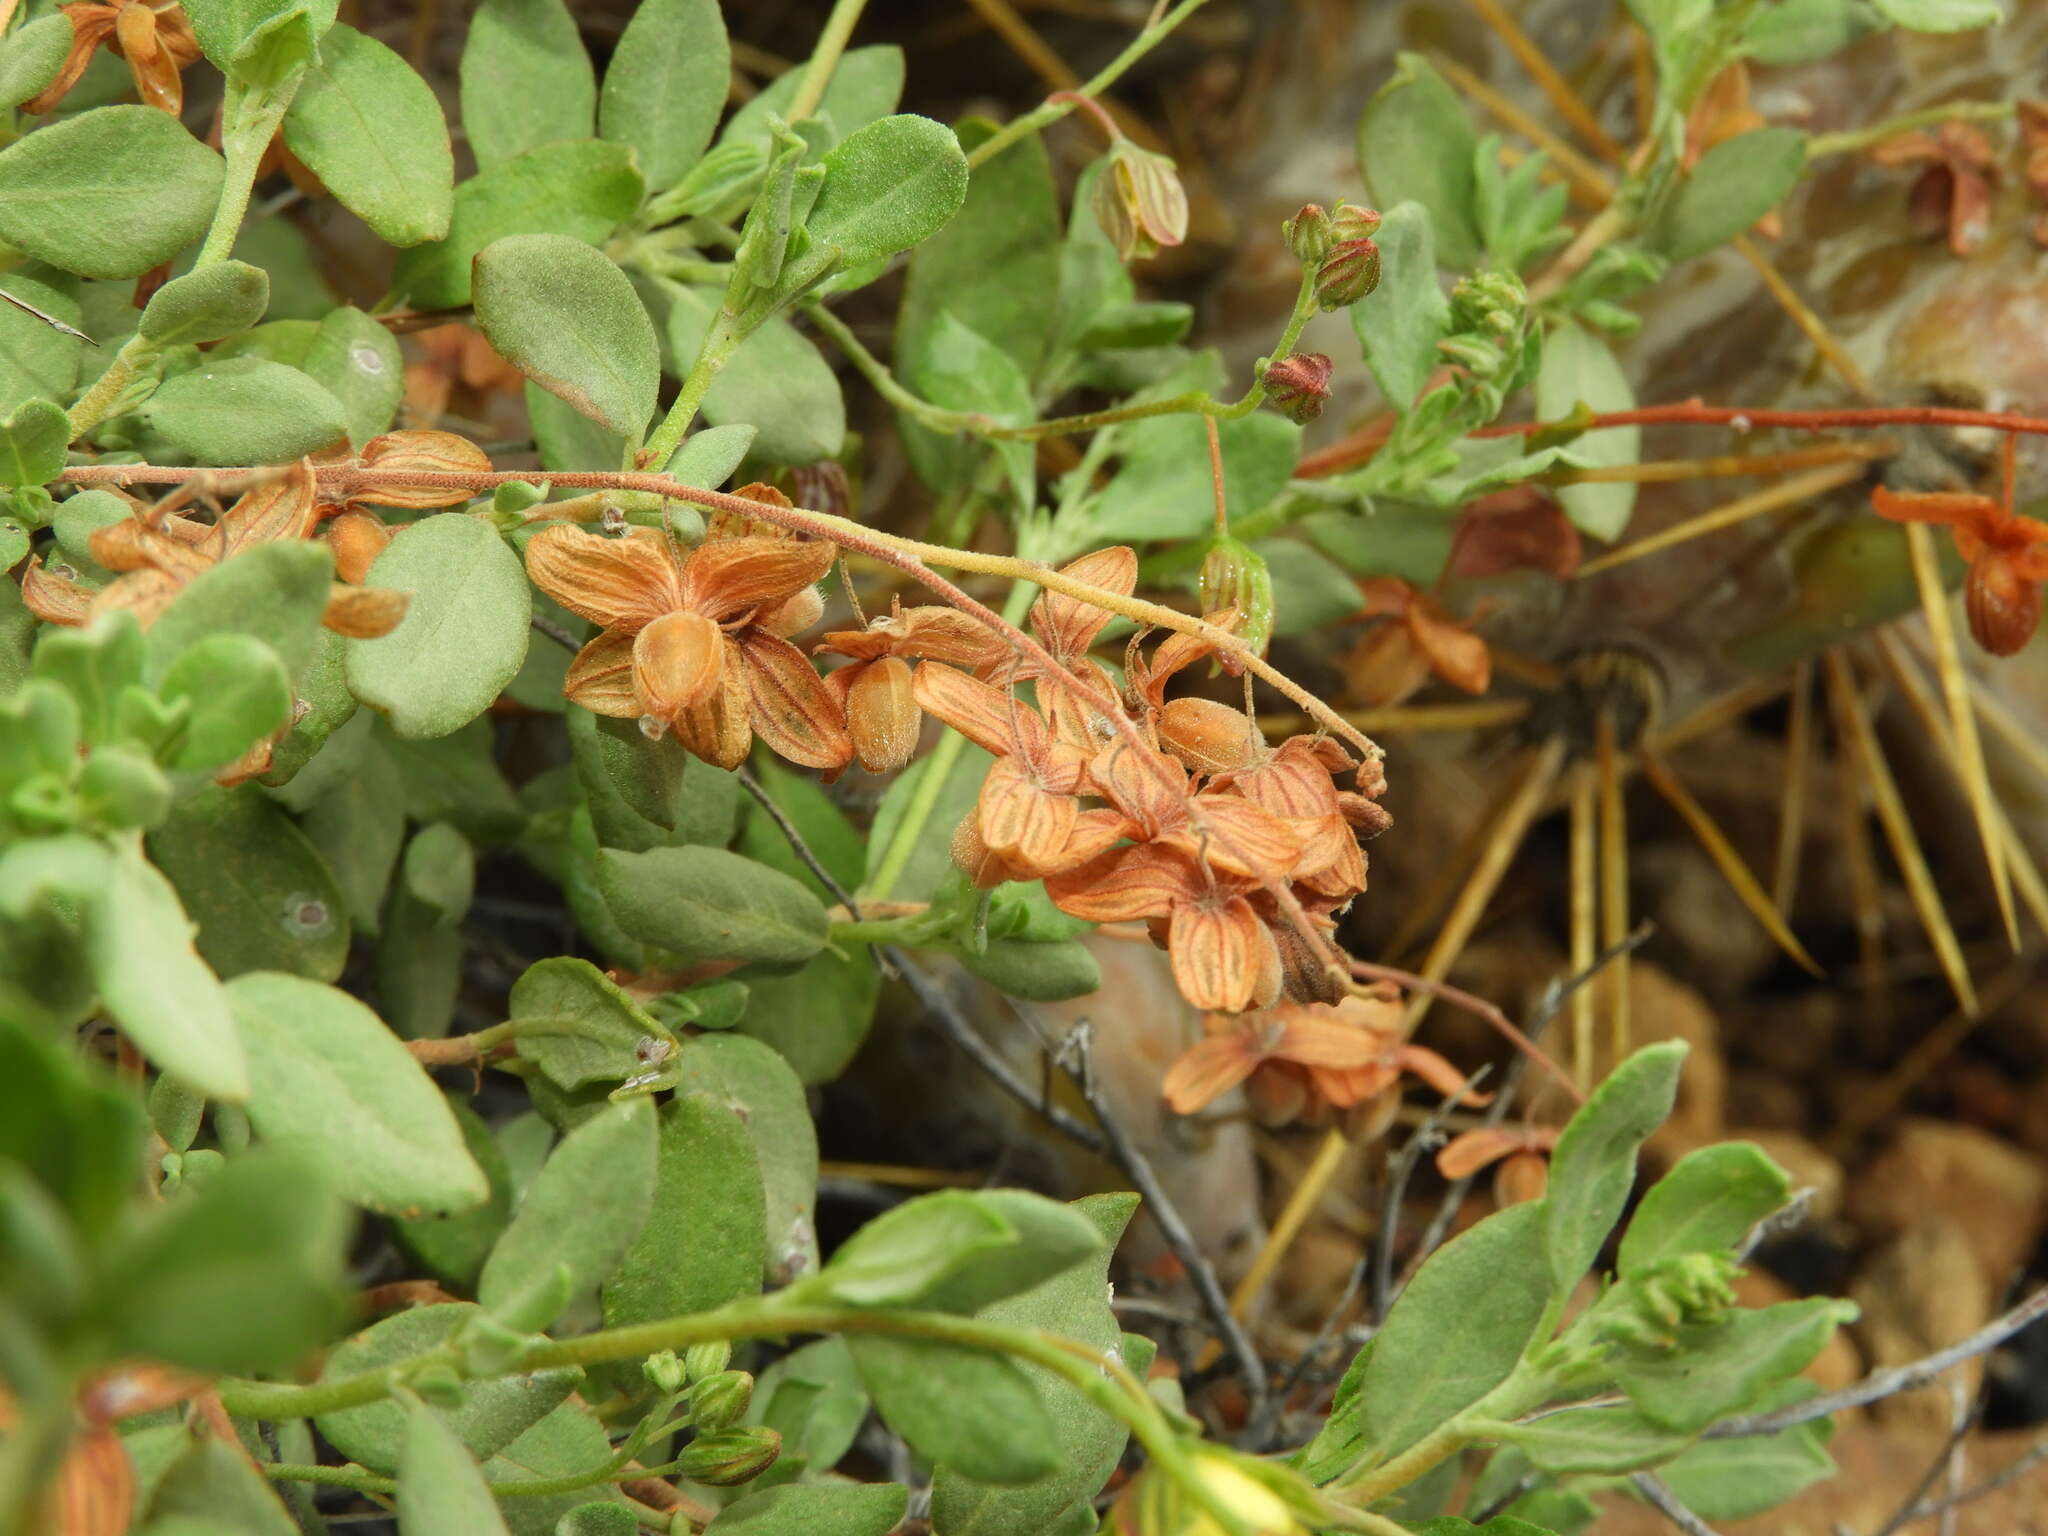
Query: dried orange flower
[415,450]
[1520,1152]
[2007,555]
[1954,191]
[158,555]
[1310,1062]
[157,42]
[1393,660]
[1516,529]
[1068,627]
[689,644]
[453,356]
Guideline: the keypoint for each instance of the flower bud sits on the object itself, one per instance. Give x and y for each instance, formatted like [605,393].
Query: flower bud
[1489,301]
[707,1360]
[719,1402]
[1299,385]
[364,613]
[1236,576]
[1347,274]
[1139,202]
[1520,1178]
[1308,234]
[882,714]
[729,1456]
[665,1371]
[1351,222]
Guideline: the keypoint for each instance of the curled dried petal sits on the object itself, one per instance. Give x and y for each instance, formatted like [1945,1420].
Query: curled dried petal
[1220,953]
[1242,839]
[985,714]
[1021,819]
[1465,1154]
[91,25]
[146,594]
[283,508]
[364,613]
[1125,884]
[418,449]
[618,583]
[600,678]
[1149,787]
[728,577]
[96,1486]
[357,539]
[720,730]
[1067,625]
[792,711]
[795,614]
[1209,1069]
[1520,1178]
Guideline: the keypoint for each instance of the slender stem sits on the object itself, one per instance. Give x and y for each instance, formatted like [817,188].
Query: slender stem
[233,206]
[938,767]
[1695,412]
[1821,145]
[96,402]
[720,342]
[1052,111]
[825,58]
[877,373]
[332,1477]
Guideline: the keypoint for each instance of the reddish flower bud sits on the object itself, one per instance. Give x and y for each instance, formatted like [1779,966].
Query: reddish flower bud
[1351,222]
[1348,274]
[1299,385]
[1208,736]
[882,714]
[2004,607]
[1308,234]
[1520,1178]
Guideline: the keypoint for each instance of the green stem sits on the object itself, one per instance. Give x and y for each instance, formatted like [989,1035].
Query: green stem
[877,373]
[825,58]
[233,206]
[1822,145]
[1052,111]
[93,405]
[720,342]
[333,1477]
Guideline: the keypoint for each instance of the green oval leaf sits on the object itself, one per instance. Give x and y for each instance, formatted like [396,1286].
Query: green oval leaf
[31,55]
[1580,367]
[262,897]
[964,1409]
[237,692]
[1734,184]
[32,443]
[568,318]
[888,186]
[369,127]
[462,638]
[108,193]
[357,361]
[814,1509]
[330,1081]
[37,361]
[1415,143]
[246,410]
[1707,1202]
[151,980]
[1594,1166]
[441,1488]
[666,85]
[526,79]
[580,1215]
[706,903]
[1400,322]
[583,190]
[206,305]
[275,592]
[223,26]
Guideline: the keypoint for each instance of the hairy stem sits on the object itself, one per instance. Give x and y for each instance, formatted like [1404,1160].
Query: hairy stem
[825,58]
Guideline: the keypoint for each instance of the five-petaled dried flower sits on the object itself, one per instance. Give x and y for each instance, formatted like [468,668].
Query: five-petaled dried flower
[2007,555]
[695,644]
[1395,659]
[1520,1153]
[1954,191]
[157,42]
[1309,1062]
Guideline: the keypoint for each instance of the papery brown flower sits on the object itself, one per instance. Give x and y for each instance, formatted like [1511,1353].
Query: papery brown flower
[156,41]
[2007,555]
[1393,660]
[687,644]
[156,555]
[1516,529]
[357,539]
[1209,736]
[1139,201]
[1953,193]
[1308,1062]
[414,450]
[1520,1152]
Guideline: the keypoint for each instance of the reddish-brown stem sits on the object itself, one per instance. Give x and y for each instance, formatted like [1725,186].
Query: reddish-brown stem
[1093,109]
[1472,1003]
[1697,413]
[1216,476]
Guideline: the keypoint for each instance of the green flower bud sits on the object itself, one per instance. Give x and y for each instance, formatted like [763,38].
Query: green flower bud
[1348,273]
[665,1371]
[702,1360]
[1493,302]
[729,1456]
[1234,575]
[1308,234]
[1351,222]
[719,1402]
[1139,202]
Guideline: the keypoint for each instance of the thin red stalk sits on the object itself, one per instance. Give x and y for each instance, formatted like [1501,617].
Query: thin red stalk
[1216,476]
[1474,1004]
[1094,109]
[1698,413]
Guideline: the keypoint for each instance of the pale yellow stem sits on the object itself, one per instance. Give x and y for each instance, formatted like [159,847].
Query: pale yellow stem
[1585,908]
[1553,84]
[1772,498]
[1613,880]
[1792,803]
[1802,316]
